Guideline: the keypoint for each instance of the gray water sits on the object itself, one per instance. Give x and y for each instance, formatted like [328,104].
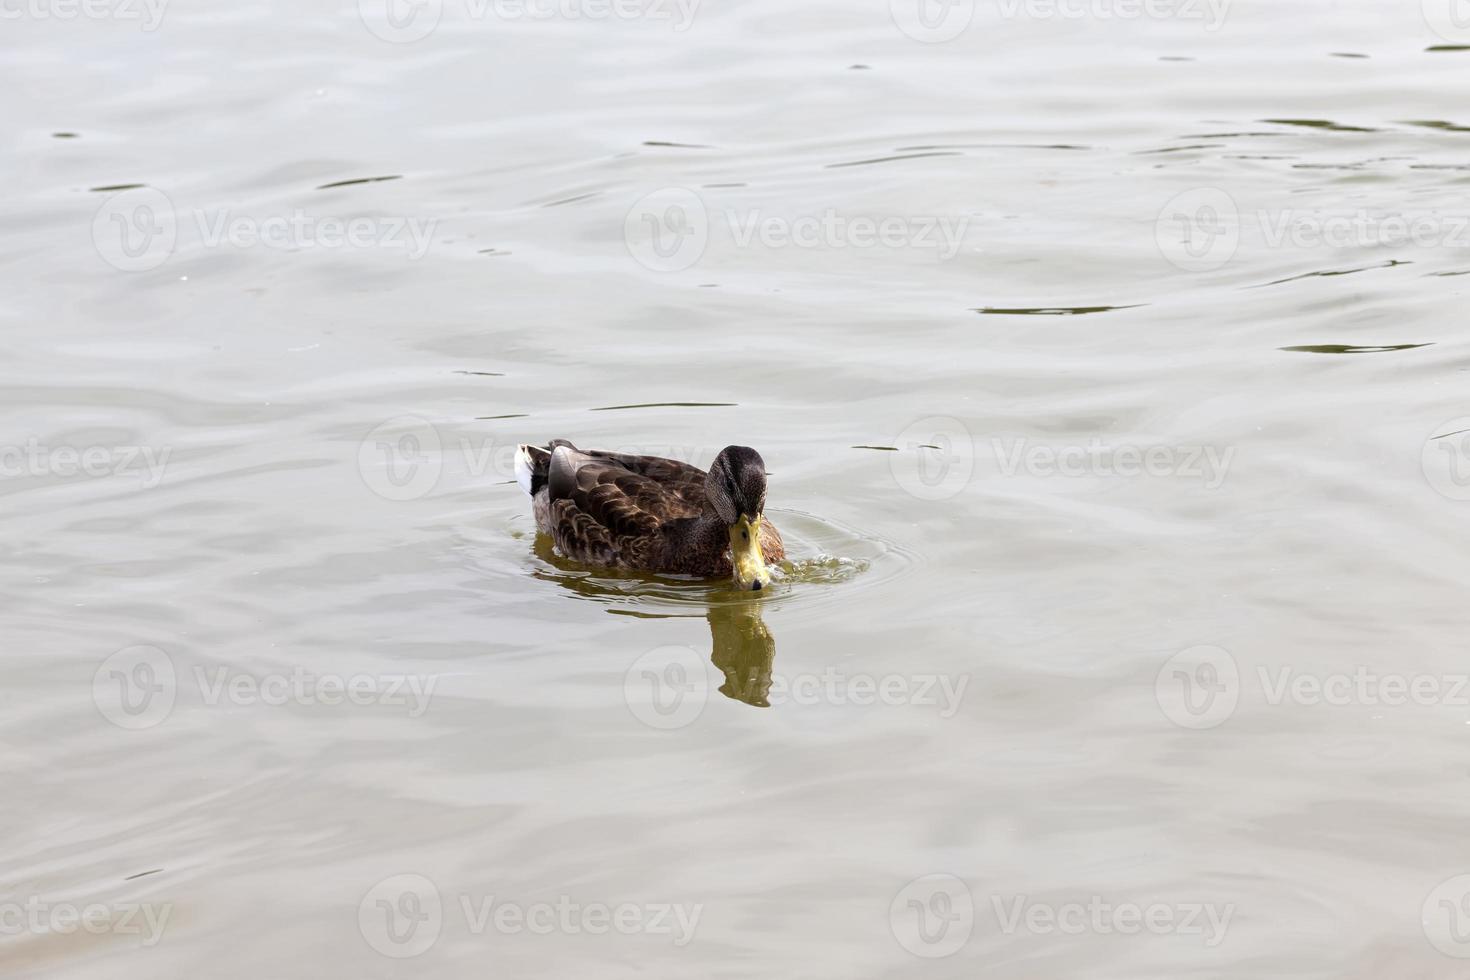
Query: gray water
[1108,364]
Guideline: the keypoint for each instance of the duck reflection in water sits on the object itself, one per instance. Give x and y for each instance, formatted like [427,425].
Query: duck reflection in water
[743,648]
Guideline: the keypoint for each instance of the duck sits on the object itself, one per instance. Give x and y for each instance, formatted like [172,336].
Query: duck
[651,514]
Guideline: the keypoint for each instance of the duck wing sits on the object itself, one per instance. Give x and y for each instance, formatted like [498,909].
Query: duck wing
[610,508]
[680,479]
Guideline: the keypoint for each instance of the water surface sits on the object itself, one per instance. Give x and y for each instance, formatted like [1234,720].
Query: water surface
[1111,378]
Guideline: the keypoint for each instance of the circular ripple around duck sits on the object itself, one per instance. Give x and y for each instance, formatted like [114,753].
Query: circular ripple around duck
[824,559]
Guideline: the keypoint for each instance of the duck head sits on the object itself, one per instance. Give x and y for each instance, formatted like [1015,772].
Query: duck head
[736,489]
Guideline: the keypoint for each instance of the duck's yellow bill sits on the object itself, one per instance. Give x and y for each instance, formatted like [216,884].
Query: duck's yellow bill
[745,553]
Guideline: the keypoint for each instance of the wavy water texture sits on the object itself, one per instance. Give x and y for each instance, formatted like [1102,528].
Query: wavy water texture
[1073,344]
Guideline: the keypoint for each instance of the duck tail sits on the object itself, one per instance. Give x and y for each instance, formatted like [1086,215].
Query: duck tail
[533,465]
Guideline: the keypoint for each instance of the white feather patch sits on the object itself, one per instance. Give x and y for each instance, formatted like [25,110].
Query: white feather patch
[523,468]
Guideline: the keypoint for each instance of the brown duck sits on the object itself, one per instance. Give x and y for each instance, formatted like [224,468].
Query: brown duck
[654,514]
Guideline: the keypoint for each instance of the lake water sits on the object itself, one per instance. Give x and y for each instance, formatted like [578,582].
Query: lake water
[1108,362]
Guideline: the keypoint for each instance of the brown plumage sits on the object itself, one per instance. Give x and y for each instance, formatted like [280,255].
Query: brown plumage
[649,513]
